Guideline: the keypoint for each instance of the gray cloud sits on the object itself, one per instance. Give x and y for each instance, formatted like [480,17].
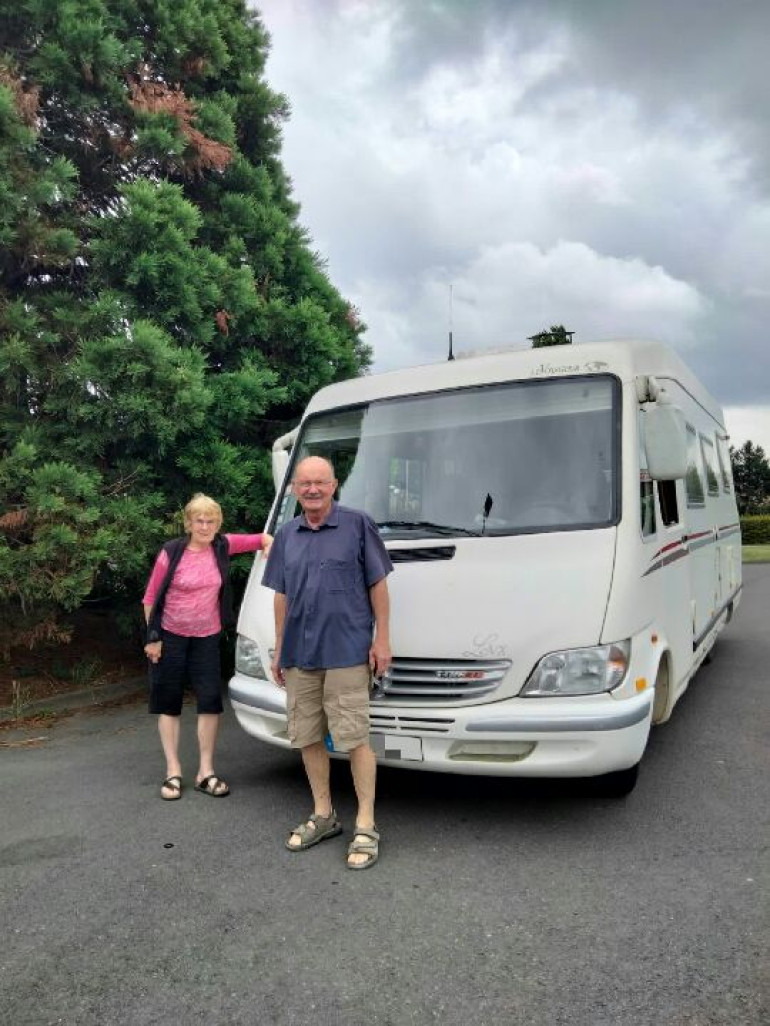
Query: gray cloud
[599,164]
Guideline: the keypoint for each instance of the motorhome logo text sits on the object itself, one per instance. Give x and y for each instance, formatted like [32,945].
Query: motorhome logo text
[591,367]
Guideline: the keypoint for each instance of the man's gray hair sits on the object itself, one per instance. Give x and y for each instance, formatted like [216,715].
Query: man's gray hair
[312,456]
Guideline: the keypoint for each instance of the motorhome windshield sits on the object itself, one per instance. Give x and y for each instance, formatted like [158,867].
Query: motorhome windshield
[502,459]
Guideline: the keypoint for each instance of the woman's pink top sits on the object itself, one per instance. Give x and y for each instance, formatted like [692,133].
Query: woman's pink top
[192,600]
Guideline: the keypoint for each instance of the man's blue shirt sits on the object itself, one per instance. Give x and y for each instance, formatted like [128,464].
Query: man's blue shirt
[326,575]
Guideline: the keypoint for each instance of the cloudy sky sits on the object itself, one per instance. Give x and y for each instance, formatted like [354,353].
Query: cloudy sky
[604,164]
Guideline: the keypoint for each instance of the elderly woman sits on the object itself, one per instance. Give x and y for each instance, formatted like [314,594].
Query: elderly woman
[186,604]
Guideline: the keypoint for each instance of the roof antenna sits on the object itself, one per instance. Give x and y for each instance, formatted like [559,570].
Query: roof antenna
[451,353]
[488,503]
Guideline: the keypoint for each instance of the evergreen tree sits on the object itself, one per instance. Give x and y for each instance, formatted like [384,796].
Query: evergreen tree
[162,316]
[556,336]
[751,477]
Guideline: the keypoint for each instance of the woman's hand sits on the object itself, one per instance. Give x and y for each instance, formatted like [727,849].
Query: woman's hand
[267,541]
[152,651]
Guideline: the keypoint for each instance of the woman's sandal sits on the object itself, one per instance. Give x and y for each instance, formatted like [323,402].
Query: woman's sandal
[369,847]
[314,830]
[172,784]
[212,785]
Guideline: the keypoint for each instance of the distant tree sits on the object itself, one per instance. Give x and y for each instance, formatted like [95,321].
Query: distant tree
[556,336]
[751,476]
[162,316]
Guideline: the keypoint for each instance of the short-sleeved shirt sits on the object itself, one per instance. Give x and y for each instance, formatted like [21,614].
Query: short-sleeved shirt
[326,574]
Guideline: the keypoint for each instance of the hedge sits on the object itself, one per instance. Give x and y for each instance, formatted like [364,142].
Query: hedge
[756,530]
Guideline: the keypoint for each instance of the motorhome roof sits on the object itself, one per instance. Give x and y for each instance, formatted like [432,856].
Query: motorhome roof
[625,358]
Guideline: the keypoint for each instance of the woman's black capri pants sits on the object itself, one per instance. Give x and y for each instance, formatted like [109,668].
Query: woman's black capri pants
[193,661]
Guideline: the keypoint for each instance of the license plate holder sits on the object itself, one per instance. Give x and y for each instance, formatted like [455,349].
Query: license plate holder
[403,747]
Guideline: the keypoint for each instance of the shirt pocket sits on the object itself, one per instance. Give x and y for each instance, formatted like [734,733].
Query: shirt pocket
[338,575]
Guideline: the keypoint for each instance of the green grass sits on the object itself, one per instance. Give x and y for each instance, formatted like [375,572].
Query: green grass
[756,553]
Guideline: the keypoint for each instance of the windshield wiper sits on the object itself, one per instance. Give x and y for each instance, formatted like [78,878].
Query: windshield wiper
[426,525]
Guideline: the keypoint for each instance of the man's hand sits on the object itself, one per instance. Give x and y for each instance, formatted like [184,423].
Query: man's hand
[380,656]
[276,670]
[152,650]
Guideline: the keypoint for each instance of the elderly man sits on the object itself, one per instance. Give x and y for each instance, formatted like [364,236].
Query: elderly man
[328,568]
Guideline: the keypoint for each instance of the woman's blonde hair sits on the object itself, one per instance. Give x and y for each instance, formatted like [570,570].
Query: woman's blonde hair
[198,504]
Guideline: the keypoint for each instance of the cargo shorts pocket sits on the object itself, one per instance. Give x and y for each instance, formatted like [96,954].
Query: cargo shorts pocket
[349,720]
[305,720]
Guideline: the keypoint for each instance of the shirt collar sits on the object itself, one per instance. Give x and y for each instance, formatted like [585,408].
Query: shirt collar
[332,520]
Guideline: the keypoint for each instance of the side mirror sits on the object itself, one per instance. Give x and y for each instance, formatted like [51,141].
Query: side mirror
[665,441]
[280,454]
[280,463]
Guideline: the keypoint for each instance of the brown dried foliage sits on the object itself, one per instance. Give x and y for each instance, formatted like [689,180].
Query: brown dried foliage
[222,318]
[193,66]
[26,99]
[353,317]
[29,636]
[157,98]
[14,520]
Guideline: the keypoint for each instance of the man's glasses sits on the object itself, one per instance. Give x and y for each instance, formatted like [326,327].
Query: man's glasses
[305,486]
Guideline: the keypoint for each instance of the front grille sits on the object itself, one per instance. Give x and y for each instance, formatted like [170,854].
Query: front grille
[392,724]
[431,680]
[422,554]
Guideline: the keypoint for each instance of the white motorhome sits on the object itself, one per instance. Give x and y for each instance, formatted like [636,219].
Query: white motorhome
[566,549]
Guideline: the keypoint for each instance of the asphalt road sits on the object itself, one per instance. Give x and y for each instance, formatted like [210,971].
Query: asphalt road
[493,902]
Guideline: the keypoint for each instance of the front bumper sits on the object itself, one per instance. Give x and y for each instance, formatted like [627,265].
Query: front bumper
[522,737]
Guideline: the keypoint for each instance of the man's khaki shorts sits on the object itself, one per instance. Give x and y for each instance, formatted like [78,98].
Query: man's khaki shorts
[336,700]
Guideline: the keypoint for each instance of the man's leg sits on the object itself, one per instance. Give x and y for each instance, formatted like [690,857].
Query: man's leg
[316,760]
[347,710]
[307,725]
[363,765]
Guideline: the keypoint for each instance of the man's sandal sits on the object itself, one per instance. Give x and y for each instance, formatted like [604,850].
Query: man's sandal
[369,847]
[171,784]
[314,830]
[213,786]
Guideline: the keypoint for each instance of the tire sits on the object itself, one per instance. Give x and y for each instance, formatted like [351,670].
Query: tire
[619,784]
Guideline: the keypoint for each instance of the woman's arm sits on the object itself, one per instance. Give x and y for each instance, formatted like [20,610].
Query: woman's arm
[238,543]
[153,648]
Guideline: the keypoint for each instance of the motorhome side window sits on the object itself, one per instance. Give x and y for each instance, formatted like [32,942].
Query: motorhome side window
[725,464]
[669,506]
[518,457]
[694,477]
[646,486]
[709,462]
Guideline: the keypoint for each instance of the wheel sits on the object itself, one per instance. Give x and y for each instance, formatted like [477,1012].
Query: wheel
[618,784]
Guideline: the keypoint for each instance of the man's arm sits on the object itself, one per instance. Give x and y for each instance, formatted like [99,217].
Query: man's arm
[379,653]
[279,611]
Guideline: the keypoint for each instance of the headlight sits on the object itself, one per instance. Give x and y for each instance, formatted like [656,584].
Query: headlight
[248,659]
[580,671]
